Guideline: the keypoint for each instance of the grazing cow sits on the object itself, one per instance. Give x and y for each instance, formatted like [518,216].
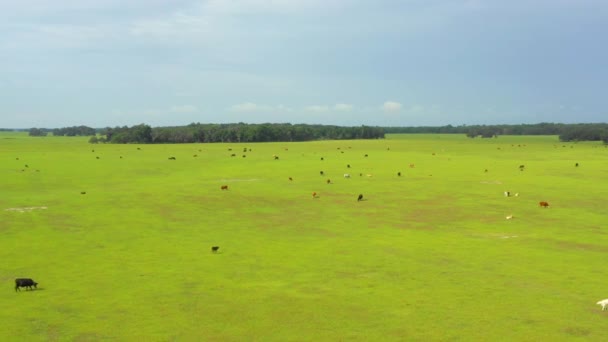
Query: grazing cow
[120,157]
[509,217]
[360,198]
[543,204]
[196,155]
[229,149]
[321,173]
[314,195]
[507,194]
[366,155]
[83,192]
[486,170]
[25,282]
[399,173]
[329,181]
[348,166]
[139,148]
[92,150]
[171,158]
[276,157]
[95,157]
[576,164]
[412,166]
[290,178]
[244,156]
[346,175]
[233,155]
[214,249]
[224,187]
[322,158]
[603,303]
[522,167]
[245,149]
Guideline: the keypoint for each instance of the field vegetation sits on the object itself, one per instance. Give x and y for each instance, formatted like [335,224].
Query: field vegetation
[119,238]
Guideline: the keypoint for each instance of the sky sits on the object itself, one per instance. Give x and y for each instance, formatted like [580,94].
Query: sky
[112,63]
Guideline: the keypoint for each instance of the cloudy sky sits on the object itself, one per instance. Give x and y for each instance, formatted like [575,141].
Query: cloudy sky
[346,62]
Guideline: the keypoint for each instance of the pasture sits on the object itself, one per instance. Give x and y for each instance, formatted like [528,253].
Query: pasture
[119,239]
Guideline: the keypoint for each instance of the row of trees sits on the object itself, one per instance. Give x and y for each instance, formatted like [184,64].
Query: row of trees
[238,132]
[241,132]
[566,132]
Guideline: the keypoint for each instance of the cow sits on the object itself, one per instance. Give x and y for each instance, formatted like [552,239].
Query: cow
[360,198]
[328,181]
[522,167]
[290,178]
[321,173]
[346,175]
[196,155]
[83,192]
[603,303]
[276,157]
[322,158]
[171,158]
[244,156]
[543,204]
[314,195]
[399,174]
[366,155]
[412,166]
[507,194]
[25,282]
[214,249]
[95,157]
[348,166]
[576,164]
[233,155]
[224,187]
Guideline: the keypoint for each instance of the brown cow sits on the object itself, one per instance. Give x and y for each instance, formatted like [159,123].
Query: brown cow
[543,204]
[224,187]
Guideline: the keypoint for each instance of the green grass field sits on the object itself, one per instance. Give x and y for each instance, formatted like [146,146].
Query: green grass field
[428,256]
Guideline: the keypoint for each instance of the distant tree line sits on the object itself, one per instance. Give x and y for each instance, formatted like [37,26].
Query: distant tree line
[566,132]
[267,132]
[66,131]
[238,132]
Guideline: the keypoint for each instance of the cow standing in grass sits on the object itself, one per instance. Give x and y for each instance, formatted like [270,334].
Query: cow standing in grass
[25,282]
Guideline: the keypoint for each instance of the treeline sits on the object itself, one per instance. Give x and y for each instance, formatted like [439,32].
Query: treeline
[66,131]
[566,132]
[238,132]
[241,132]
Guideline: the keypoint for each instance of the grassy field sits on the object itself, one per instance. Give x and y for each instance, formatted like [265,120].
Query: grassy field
[427,256]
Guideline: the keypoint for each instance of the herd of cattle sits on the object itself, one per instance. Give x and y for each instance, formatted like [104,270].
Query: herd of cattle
[30,284]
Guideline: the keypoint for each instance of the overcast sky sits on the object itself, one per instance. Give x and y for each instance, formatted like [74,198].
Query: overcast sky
[345,62]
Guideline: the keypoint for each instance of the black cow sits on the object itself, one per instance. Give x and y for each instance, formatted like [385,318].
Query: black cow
[348,166]
[360,198]
[172,158]
[25,282]
[576,164]
[321,173]
[399,174]
[214,249]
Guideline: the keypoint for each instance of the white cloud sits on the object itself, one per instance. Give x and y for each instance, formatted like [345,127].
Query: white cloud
[250,107]
[317,109]
[343,107]
[391,106]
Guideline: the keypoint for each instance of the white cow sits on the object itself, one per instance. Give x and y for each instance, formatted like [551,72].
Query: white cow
[603,303]
[346,175]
